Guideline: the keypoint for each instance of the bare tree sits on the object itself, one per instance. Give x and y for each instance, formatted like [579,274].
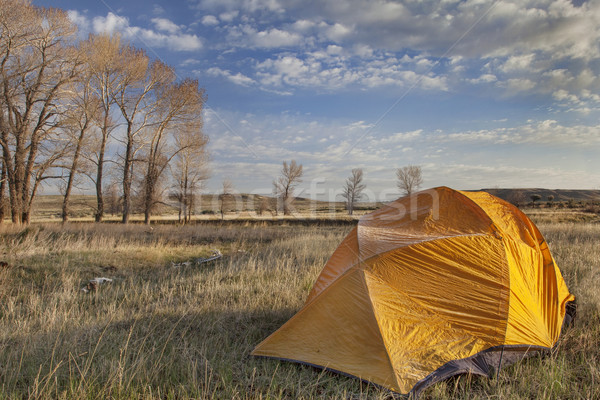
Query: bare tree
[225,197]
[410,178]
[134,101]
[189,171]
[283,187]
[37,61]
[79,120]
[113,199]
[178,111]
[105,58]
[353,189]
[263,205]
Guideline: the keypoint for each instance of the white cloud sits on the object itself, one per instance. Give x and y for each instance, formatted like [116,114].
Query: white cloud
[546,132]
[332,71]
[275,38]
[157,10]
[335,50]
[337,32]
[514,43]
[229,16]
[238,78]
[79,19]
[303,25]
[485,78]
[182,42]
[163,24]
[209,20]
[189,61]
[110,24]
[173,39]
[518,63]
[516,85]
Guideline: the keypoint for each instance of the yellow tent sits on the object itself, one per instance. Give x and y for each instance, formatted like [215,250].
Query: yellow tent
[432,285]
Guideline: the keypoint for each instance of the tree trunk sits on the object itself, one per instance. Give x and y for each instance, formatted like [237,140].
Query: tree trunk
[2,197]
[149,188]
[99,173]
[148,196]
[127,175]
[15,209]
[17,183]
[185,198]
[190,207]
[72,172]
[11,179]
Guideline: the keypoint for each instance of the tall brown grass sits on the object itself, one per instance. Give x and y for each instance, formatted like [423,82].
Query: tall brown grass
[161,331]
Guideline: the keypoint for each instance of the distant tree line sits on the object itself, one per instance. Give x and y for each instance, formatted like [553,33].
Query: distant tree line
[98,110]
[409,179]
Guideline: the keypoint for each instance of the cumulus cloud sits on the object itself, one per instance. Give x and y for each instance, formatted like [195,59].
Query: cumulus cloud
[79,19]
[238,78]
[167,33]
[548,47]
[163,24]
[331,71]
[546,132]
[484,78]
[274,38]
[507,44]
[518,63]
[209,20]
[110,24]
[229,15]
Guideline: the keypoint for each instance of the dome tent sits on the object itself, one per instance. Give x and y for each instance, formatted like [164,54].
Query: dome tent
[432,285]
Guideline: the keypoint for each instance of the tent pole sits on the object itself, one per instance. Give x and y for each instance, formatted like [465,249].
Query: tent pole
[499,364]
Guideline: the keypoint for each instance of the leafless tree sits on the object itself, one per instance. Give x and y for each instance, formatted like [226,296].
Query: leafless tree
[353,189]
[105,59]
[136,105]
[283,187]
[178,111]
[225,197]
[189,171]
[263,205]
[56,97]
[37,62]
[113,199]
[79,119]
[410,178]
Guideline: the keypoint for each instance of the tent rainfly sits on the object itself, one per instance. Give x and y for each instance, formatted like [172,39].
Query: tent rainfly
[439,283]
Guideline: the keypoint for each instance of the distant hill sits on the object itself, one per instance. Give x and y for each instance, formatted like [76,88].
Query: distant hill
[49,206]
[559,194]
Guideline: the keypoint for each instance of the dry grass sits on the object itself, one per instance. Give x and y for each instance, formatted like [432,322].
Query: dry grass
[164,332]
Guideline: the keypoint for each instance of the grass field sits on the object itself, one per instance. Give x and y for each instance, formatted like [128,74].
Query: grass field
[159,331]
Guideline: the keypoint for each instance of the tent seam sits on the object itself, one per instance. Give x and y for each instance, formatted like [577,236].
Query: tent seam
[379,329]
[505,259]
[480,210]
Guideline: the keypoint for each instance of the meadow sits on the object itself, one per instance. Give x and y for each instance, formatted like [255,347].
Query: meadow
[165,331]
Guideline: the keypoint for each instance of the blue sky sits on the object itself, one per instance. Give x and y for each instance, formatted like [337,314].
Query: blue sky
[480,93]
